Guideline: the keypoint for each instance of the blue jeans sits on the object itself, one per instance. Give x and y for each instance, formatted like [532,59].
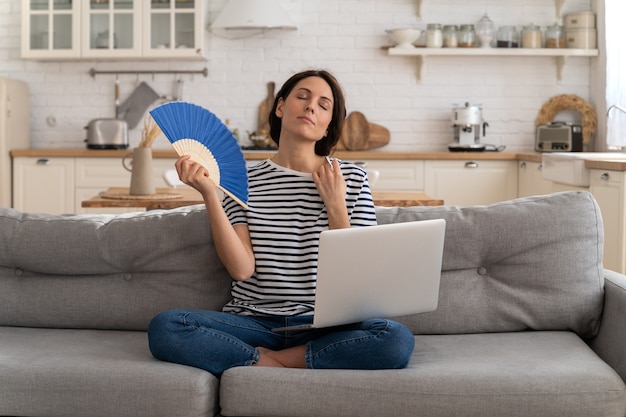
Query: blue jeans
[216,341]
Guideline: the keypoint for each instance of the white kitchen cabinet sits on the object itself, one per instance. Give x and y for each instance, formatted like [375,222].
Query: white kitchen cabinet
[470,182]
[43,185]
[50,29]
[558,187]
[173,28]
[112,29]
[58,185]
[530,181]
[405,175]
[609,190]
[94,175]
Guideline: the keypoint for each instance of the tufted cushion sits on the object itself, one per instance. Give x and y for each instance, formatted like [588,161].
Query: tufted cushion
[530,263]
[106,271]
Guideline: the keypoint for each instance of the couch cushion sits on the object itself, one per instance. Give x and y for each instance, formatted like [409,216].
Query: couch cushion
[106,271]
[95,373]
[490,375]
[530,263]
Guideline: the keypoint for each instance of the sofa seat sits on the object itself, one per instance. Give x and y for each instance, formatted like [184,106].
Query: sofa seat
[499,374]
[70,371]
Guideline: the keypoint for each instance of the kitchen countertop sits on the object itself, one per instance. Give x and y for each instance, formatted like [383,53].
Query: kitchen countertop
[259,155]
[613,165]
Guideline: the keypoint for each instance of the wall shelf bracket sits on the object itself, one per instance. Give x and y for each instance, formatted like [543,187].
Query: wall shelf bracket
[418,11]
[560,63]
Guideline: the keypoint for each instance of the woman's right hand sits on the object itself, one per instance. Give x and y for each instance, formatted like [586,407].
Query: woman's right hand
[194,174]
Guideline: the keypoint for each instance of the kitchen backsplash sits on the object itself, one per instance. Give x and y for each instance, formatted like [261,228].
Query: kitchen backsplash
[344,37]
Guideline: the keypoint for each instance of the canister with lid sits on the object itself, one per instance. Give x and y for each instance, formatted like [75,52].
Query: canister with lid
[531,36]
[507,37]
[580,30]
[581,38]
[434,35]
[555,36]
[450,36]
[467,36]
[580,20]
[485,31]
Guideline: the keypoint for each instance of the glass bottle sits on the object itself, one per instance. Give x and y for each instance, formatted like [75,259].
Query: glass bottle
[434,35]
[555,36]
[507,37]
[450,36]
[467,36]
[531,36]
[485,31]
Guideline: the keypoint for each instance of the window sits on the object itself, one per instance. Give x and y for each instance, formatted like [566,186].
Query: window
[615,10]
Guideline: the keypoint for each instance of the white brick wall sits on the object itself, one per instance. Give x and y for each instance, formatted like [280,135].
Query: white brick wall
[344,36]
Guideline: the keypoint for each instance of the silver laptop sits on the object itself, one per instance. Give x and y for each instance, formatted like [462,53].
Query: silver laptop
[377,272]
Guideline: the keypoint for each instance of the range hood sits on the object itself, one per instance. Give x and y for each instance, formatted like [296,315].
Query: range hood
[250,17]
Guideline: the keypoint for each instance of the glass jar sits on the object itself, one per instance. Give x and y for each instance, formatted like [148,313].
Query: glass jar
[467,36]
[507,37]
[485,31]
[434,35]
[555,36]
[450,36]
[531,36]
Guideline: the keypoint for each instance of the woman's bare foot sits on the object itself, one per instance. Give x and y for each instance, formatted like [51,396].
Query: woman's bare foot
[266,359]
[286,358]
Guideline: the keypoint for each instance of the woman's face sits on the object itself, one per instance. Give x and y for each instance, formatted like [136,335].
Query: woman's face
[308,109]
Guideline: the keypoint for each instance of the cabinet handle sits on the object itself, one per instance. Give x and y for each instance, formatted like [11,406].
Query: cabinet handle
[522,165]
[539,167]
[605,176]
[471,164]
[43,161]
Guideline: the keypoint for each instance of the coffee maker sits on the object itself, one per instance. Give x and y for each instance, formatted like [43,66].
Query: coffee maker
[467,122]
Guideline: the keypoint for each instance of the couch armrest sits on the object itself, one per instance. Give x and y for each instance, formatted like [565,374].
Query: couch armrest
[610,343]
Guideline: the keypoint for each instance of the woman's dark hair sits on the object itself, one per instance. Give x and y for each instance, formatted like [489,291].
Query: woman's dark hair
[328,142]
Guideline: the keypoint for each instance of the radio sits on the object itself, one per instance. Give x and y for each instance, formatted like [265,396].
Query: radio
[559,137]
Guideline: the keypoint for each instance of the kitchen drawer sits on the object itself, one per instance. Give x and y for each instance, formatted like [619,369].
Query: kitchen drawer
[405,175]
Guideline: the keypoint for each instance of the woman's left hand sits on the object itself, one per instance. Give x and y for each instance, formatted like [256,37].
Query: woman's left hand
[332,188]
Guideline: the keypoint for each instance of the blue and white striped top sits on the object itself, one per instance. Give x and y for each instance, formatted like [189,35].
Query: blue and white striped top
[285,217]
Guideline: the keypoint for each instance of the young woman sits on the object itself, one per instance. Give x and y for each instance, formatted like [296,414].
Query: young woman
[270,250]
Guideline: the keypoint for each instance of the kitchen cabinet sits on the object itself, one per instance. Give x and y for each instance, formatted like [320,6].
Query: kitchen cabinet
[112,29]
[58,185]
[405,175]
[43,185]
[50,29]
[609,190]
[95,175]
[470,182]
[530,181]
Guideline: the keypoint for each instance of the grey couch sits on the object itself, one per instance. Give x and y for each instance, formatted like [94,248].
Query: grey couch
[528,324]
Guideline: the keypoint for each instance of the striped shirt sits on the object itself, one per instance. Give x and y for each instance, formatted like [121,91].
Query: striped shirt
[285,217]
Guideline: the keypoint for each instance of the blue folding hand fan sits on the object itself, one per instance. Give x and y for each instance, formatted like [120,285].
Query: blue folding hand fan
[195,131]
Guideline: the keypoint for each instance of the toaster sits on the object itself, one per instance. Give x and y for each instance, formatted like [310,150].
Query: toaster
[107,134]
[559,137]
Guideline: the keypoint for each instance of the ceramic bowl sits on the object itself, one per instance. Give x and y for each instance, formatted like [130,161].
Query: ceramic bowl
[404,37]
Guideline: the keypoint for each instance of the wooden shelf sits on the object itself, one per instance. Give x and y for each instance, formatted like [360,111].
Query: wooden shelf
[561,54]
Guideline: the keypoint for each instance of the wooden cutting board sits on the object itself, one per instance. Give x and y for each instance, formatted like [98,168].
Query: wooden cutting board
[355,132]
[359,134]
[265,108]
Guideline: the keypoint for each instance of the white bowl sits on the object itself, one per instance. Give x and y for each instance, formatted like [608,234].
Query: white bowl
[404,37]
